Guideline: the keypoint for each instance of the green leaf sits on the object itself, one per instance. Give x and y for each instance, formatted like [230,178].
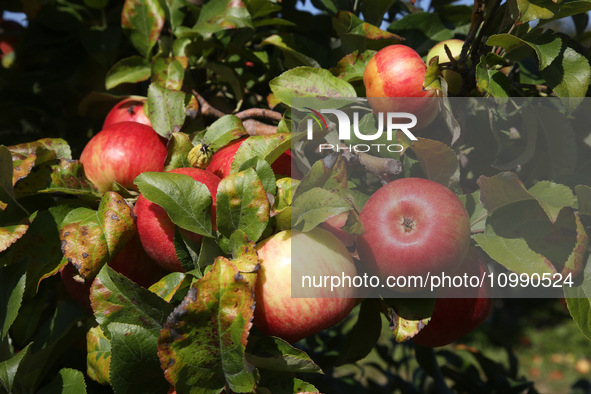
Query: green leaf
[167,287]
[268,147]
[492,83]
[135,367]
[475,210]
[541,9]
[373,11]
[11,234]
[277,355]
[9,368]
[438,161]
[175,11]
[242,204]
[286,43]
[578,299]
[351,67]
[168,73]
[166,109]
[547,45]
[45,149]
[178,147]
[10,210]
[316,206]
[216,314]
[186,201]
[278,383]
[98,355]
[97,236]
[68,381]
[68,177]
[357,35]
[222,15]
[229,75]
[264,172]
[408,316]
[568,76]
[422,30]
[223,131]
[116,299]
[364,335]
[142,21]
[552,197]
[129,70]
[12,288]
[309,82]
[186,250]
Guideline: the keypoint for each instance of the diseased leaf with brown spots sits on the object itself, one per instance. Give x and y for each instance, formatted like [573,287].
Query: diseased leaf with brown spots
[201,347]
[351,67]
[242,204]
[116,299]
[142,21]
[98,355]
[45,150]
[68,177]
[22,167]
[222,15]
[167,287]
[91,242]
[407,316]
[10,234]
[243,250]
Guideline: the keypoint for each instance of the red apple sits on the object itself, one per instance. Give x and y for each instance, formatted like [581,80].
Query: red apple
[315,253]
[128,110]
[459,310]
[131,261]
[334,225]
[156,230]
[452,78]
[395,74]
[221,162]
[121,152]
[413,227]
[9,36]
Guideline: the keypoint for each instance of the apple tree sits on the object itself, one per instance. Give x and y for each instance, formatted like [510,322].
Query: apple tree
[159,271]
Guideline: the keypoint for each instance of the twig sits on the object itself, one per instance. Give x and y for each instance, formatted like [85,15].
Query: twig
[259,113]
[381,167]
[254,127]
[205,108]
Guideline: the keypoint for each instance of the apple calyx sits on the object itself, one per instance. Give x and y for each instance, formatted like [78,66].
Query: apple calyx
[200,156]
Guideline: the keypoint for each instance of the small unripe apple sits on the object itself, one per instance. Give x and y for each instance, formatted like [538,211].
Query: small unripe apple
[221,162]
[394,74]
[459,310]
[317,253]
[128,110]
[121,152]
[413,227]
[452,78]
[156,230]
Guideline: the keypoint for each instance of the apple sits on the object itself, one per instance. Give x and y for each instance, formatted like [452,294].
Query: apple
[9,36]
[334,225]
[315,253]
[128,110]
[393,75]
[459,310]
[156,230]
[121,152]
[221,162]
[131,261]
[413,227]
[452,78]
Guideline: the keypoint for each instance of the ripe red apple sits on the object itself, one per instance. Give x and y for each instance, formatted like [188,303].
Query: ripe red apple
[395,74]
[413,227]
[128,110]
[334,225]
[459,310]
[156,230]
[452,78]
[9,36]
[131,261]
[315,253]
[121,152]
[221,162]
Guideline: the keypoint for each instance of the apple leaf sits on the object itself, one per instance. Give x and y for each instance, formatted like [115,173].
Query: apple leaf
[281,383]
[223,131]
[357,35]
[186,250]
[422,30]
[243,251]
[167,287]
[521,237]
[166,109]
[552,197]
[264,172]
[364,335]
[309,82]
[45,150]
[268,147]
[9,368]
[222,15]
[216,314]
[98,355]
[135,367]
[329,173]
[178,148]
[129,70]
[11,234]
[68,177]
[351,67]
[186,201]
[578,300]
[286,43]
[491,83]
[438,161]
[408,316]
[116,299]
[91,242]
[168,72]
[568,76]
[68,381]
[374,11]
[142,21]
[10,210]
[547,45]
[242,204]
[229,75]
[316,206]
[12,289]
[275,354]
[583,199]
[475,210]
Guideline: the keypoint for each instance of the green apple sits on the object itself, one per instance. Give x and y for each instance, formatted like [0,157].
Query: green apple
[452,78]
